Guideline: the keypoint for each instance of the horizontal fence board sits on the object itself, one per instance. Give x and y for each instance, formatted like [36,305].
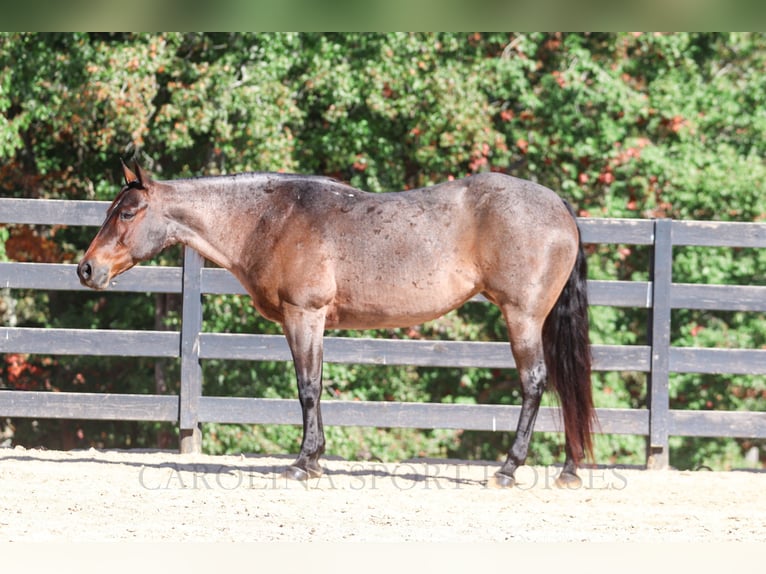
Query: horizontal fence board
[718,234]
[63,277]
[718,361]
[405,352]
[718,297]
[93,342]
[384,414]
[616,231]
[622,421]
[88,406]
[718,424]
[621,357]
[244,347]
[216,281]
[53,211]
[503,418]
[620,293]
[246,410]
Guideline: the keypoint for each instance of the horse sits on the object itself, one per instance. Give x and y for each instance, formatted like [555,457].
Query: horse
[314,253]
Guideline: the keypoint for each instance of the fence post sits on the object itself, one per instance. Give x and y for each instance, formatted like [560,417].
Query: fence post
[191,371]
[658,397]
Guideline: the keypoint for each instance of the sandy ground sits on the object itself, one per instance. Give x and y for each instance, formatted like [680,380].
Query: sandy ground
[138,496]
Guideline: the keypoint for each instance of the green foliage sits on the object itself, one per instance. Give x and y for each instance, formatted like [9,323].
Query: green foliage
[3,238]
[623,125]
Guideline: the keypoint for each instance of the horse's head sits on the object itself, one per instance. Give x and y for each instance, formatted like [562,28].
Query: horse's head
[133,231]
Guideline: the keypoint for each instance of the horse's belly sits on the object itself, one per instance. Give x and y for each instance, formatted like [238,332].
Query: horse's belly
[404,271]
[379,303]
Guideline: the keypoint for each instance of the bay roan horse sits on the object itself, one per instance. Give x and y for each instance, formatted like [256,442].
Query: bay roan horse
[314,253]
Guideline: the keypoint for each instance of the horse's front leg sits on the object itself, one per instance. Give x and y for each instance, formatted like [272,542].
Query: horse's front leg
[304,329]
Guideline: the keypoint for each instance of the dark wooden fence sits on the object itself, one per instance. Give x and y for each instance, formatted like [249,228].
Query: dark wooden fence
[656,357]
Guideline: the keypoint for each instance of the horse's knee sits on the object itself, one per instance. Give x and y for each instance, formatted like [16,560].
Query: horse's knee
[309,393]
[308,400]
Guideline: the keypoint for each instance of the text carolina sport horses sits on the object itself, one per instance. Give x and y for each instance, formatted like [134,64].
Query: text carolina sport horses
[314,253]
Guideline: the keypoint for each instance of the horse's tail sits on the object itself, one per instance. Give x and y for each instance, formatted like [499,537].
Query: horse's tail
[566,346]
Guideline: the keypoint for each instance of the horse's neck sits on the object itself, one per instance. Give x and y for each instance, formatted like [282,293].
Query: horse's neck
[208,215]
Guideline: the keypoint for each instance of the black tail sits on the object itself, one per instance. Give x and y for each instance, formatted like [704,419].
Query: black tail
[567,356]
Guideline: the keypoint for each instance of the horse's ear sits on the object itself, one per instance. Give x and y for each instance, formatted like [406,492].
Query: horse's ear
[144,179]
[129,176]
[137,175]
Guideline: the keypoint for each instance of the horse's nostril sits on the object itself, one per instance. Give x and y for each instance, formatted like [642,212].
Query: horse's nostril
[85,270]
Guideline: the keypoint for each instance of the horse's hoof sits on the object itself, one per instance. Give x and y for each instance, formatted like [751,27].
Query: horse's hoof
[300,474]
[568,480]
[501,480]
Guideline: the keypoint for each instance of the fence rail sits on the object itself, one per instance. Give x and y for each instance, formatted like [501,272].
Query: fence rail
[659,295]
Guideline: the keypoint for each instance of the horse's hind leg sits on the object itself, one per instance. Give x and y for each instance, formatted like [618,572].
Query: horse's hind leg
[525,334]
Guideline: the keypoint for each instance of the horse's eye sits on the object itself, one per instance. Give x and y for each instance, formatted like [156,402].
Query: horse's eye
[127,215]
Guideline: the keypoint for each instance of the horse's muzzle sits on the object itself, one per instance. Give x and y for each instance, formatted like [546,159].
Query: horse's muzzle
[93,276]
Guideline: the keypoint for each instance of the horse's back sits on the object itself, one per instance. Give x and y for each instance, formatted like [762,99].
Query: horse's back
[404,258]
